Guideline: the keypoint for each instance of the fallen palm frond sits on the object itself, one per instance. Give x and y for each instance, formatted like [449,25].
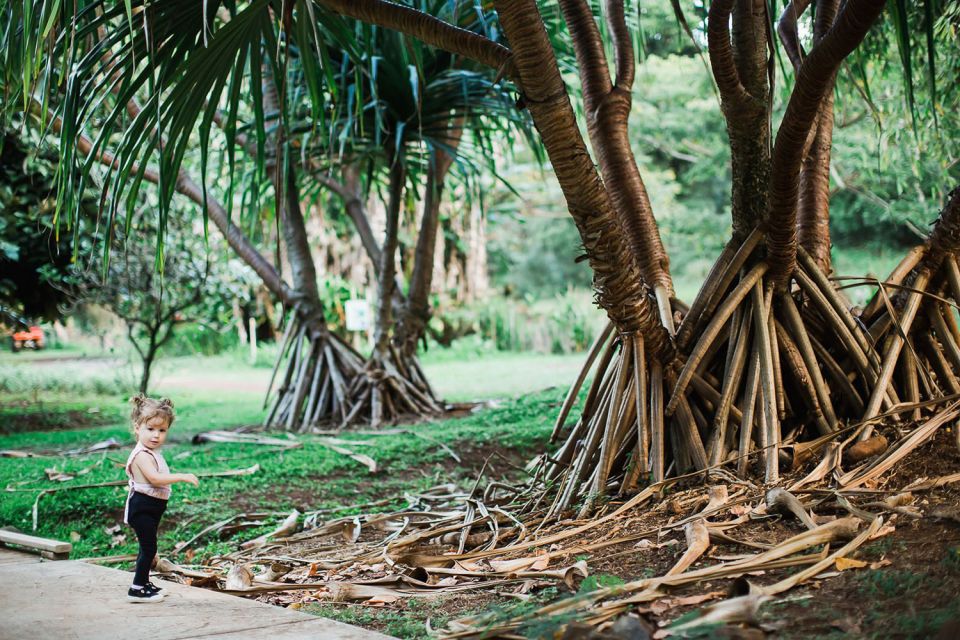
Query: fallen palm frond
[363,459]
[217,527]
[446,540]
[245,438]
[391,432]
[287,527]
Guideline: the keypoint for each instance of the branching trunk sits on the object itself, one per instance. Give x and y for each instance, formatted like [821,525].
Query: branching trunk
[617,277]
[388,259]
[390,385]
[607,106]
[319,365]
[739,66]
[814,81]
[349,193]
[349,190]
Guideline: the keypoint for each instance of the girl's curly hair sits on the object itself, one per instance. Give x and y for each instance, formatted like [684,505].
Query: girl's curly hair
[145,408]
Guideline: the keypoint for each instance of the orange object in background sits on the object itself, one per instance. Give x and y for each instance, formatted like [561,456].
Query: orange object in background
[32,338]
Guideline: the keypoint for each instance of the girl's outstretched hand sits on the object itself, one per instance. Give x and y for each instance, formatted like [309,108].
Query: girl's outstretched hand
[192,479]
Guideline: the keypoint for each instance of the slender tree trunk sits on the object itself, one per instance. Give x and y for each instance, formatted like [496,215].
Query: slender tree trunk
[739,63]
[303,271]
[349,192]
[415,314]
[813,205]
[388,262]
[319,366]
[148,357]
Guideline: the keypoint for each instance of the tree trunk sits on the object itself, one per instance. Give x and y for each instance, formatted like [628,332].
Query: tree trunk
[607,107]
[617,280]
[388,258]
[813,206]
[319,365]
[390,386]
[739,66]
[814,81]
[415,314]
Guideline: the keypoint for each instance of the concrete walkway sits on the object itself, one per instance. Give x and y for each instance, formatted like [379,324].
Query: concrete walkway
[70,600]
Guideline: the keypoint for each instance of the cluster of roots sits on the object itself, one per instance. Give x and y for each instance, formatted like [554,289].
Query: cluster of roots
[759,369]
[325,382]
[389,387]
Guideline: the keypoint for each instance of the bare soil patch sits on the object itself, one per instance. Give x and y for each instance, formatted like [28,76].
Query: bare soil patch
[27,417]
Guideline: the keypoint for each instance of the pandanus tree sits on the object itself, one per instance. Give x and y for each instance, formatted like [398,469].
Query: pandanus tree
[769,351]
[412,113]
[270,63]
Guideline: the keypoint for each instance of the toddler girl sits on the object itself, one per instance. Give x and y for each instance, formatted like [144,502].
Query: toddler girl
[149,481]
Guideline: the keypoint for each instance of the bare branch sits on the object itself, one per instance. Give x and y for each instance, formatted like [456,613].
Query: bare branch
[721,54]
[622,43]
[186,186]
[422,26]
[355,209]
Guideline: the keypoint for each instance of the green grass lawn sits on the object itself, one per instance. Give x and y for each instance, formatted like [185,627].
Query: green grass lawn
[53,417]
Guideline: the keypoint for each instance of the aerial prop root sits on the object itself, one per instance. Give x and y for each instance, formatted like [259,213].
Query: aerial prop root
[316,369]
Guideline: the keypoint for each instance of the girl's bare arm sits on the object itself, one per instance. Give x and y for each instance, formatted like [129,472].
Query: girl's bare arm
[155,477]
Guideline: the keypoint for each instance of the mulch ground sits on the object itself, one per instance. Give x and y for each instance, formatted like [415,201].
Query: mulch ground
[907,586]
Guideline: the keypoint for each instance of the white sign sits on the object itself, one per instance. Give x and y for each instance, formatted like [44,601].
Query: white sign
[358,315]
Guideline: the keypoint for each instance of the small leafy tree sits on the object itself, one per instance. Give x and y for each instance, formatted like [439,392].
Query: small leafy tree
[151,301]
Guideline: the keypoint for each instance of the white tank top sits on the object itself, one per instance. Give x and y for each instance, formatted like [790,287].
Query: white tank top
[156,491]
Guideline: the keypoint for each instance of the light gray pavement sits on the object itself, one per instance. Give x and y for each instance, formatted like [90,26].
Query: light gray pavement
[70,600]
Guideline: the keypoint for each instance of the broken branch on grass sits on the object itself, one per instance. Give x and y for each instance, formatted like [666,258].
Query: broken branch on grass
[244,438]
[288,526]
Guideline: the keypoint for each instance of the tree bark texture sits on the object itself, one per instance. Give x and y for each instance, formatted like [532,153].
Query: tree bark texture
[425,27]
[813,205]
[619,287]
[388,263]
[813,82]
[607,109]
[739,63]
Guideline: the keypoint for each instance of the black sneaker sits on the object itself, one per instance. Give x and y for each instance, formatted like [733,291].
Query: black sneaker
[143,595]
[153,588]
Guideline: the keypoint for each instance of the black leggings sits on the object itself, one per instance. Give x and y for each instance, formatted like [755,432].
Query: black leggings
[144,516]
